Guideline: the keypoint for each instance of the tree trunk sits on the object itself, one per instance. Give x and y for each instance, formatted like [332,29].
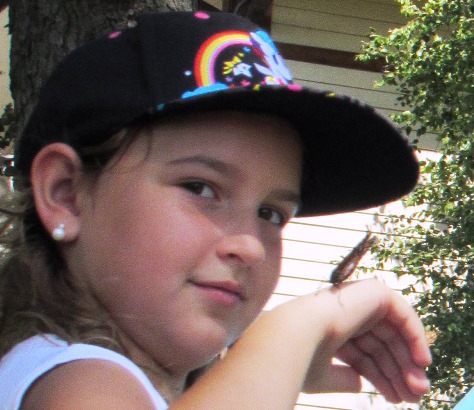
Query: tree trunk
[44,31]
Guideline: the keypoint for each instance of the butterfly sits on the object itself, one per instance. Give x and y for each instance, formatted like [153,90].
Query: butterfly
[347,266]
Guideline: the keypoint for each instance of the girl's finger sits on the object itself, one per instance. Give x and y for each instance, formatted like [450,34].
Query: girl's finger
[405,357]
[405,324]
[392,357]
[367,367]
[337,378]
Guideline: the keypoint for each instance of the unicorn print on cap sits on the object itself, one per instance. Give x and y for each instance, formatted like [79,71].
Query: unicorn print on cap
[233,59]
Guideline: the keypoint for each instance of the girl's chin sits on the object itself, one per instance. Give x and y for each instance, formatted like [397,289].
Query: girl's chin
[204,350]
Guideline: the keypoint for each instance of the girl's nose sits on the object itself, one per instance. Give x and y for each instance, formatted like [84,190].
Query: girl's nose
[242,249]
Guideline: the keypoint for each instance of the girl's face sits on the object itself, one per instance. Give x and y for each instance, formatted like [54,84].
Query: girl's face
[180,241]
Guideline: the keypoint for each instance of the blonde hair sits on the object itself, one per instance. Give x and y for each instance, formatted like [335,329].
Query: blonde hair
[36,293]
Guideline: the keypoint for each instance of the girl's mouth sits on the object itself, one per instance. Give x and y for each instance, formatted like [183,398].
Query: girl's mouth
[227,293]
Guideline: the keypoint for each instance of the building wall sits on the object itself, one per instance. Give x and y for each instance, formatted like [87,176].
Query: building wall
[5,96]
[341,25]
[337,24]
[313,245]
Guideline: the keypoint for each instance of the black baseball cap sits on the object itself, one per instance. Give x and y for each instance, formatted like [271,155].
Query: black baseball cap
[185,62]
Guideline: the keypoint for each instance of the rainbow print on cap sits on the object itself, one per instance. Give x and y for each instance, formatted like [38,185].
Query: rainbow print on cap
[209,53]
[233,59]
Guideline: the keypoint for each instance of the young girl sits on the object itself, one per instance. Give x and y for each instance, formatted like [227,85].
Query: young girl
[143,238]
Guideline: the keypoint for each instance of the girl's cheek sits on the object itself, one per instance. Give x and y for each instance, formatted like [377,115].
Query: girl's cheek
[272,271]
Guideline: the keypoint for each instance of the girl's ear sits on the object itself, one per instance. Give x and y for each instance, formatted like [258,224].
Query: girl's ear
[56,174]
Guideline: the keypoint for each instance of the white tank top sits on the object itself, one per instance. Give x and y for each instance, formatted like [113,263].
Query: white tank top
[30,359]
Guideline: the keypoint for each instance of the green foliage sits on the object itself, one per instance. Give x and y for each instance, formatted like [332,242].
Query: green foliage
[431,62]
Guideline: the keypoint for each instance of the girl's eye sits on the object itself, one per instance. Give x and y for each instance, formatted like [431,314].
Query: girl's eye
[271,215]
[200,189]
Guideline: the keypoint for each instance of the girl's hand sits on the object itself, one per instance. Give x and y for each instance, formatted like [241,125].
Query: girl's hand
[290,348]
[378,335]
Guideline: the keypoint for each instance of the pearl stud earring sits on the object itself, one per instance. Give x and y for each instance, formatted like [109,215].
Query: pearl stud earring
[58,233]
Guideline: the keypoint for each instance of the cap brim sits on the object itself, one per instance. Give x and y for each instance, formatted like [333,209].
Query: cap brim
[354,157]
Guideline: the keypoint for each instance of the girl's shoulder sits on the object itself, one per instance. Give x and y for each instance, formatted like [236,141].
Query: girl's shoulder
[91,384]
[47,372]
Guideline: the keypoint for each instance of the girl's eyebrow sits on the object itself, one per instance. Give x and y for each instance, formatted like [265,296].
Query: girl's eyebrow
[210,162]
[286,195]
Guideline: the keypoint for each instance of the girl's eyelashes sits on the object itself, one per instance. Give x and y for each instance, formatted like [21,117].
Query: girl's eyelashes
[205,190]
[199,188]
[273,216]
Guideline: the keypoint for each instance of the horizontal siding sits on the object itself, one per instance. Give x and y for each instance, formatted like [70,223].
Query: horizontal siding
[358,84]
[4,60]
[316,38]
[384,11]
[339,25]
[311,249]
[313,246]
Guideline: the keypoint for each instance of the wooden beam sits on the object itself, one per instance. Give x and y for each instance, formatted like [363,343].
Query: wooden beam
[325,56]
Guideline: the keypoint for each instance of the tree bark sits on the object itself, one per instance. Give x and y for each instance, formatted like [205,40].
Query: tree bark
[44,31]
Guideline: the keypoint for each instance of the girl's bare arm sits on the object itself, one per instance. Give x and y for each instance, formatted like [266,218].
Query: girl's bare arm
[290,349]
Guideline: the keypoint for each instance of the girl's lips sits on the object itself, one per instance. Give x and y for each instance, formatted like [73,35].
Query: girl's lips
[227,292]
